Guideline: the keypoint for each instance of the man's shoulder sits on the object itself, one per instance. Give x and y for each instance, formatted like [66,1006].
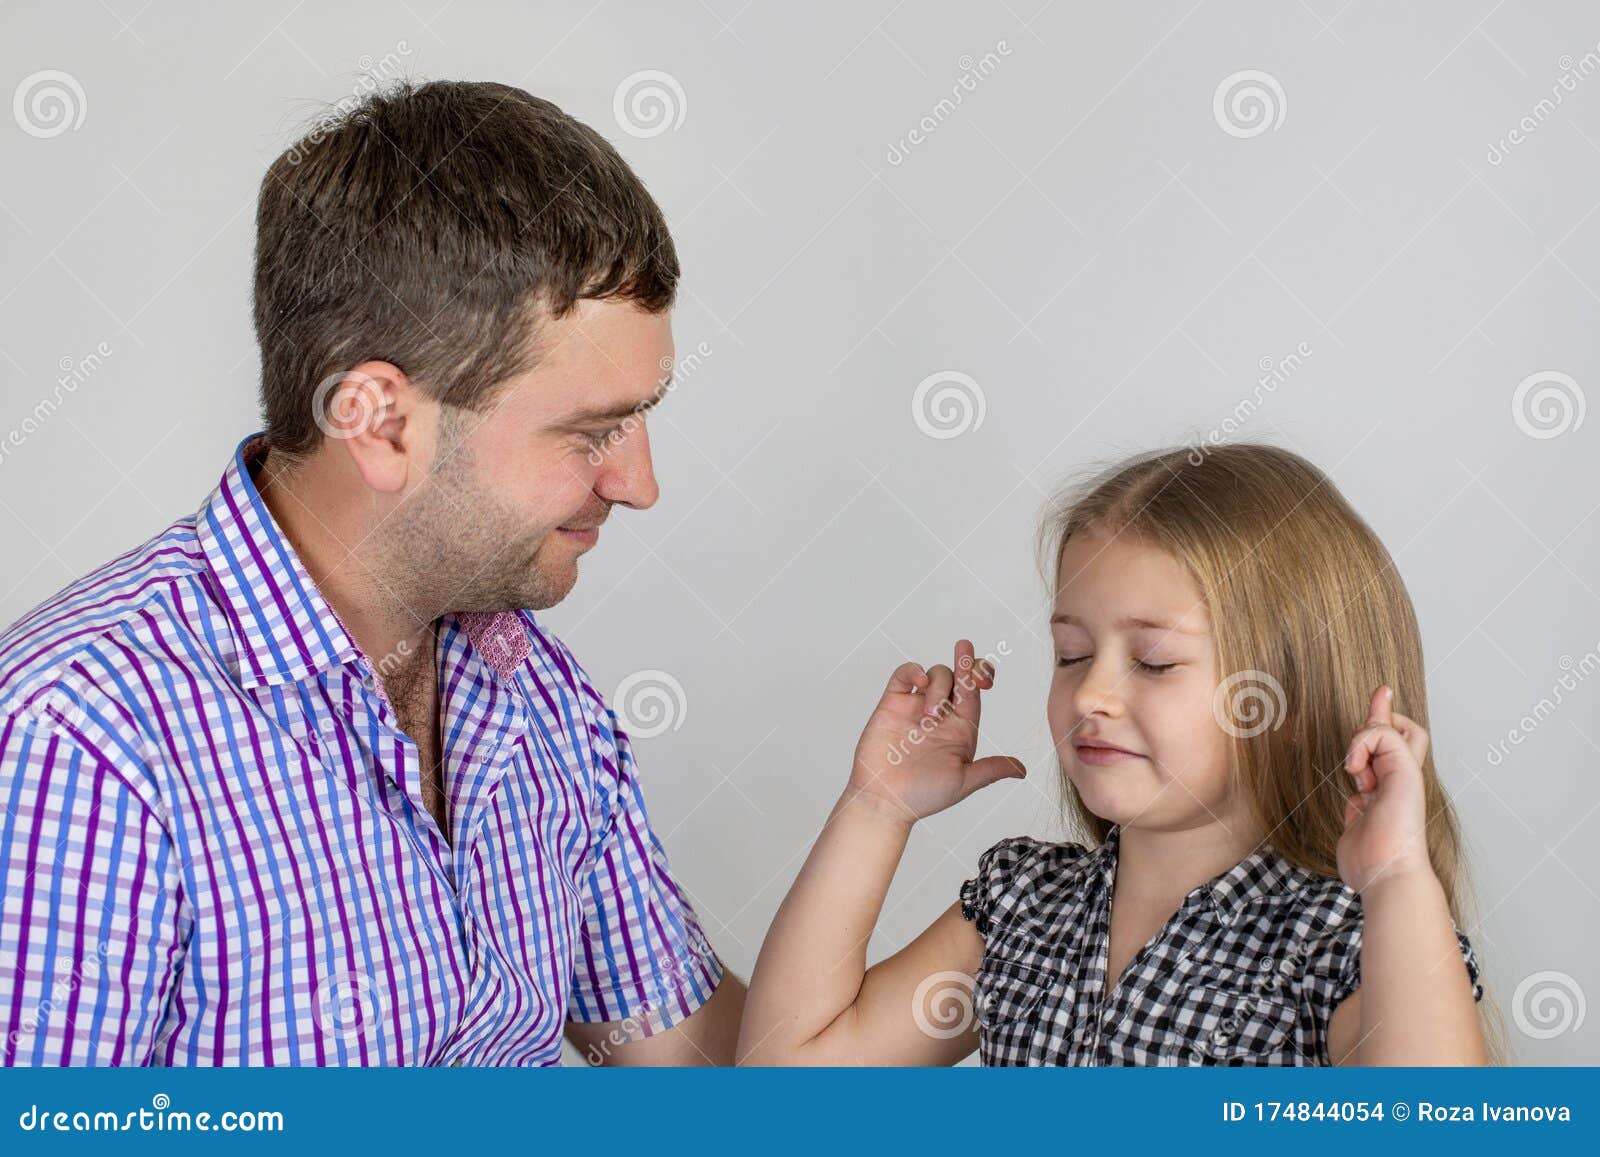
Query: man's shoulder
[141,603]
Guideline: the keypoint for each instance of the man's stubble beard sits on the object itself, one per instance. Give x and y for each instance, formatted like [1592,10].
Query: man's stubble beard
[465,550]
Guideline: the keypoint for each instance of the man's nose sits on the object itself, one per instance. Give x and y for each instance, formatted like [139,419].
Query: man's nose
[628,476]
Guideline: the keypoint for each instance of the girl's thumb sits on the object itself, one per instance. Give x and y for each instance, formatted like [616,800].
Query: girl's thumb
[993,768]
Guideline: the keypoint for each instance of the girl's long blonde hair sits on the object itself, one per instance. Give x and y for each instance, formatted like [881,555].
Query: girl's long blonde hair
[1302,596]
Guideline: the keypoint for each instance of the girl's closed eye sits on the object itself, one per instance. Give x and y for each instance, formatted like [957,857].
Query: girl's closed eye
[1144,665]
[1150,668]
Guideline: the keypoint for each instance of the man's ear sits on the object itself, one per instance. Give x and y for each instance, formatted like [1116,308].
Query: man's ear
[374,414]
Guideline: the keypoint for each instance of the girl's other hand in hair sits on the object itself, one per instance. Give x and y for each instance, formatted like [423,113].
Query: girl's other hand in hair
[1385,819]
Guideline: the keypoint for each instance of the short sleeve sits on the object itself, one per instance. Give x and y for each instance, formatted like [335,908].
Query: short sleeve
[1341,968]
[642,956]
[91,915]
[985,895]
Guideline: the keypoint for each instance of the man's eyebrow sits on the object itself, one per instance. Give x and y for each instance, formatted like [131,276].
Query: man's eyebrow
[616,413]
[1129,623]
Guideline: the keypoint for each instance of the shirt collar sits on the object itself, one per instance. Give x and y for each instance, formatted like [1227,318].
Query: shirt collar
[284,630]
[1261,874]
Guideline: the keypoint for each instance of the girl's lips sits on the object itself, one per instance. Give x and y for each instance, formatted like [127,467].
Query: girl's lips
[1101,756]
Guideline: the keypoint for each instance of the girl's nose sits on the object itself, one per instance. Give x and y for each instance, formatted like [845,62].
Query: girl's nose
[1097,694]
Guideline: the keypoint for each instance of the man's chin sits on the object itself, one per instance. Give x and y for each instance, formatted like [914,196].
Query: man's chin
[555,582]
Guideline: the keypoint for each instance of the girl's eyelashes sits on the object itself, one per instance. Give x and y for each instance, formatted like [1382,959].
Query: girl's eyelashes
[1147,668]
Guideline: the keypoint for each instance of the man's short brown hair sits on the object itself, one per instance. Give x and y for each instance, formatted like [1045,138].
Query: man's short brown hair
[432,226]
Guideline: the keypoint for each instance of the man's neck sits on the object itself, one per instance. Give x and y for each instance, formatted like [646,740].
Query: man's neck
[336,545]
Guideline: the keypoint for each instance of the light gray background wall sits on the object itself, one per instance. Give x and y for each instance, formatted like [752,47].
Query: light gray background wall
[1079,234]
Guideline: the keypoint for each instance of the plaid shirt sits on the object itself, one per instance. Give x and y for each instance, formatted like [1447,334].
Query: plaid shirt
[1248,970]
[215,847]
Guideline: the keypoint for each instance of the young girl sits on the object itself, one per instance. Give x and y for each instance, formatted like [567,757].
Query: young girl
[1275,873]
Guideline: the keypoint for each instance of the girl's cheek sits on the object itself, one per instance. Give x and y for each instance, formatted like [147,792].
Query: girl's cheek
[1058,710]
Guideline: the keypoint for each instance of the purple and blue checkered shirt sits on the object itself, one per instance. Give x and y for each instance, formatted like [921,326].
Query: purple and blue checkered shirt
[215,849]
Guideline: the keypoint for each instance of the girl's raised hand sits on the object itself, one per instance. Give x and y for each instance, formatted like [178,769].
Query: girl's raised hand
[916,753]
[1385,821]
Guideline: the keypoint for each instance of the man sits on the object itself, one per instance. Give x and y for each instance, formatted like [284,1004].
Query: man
[302,780]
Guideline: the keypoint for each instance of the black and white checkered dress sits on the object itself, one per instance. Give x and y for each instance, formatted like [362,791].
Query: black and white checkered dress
[1247,972]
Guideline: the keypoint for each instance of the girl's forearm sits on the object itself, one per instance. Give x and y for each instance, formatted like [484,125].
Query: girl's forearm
[1417,1007]
[811,966]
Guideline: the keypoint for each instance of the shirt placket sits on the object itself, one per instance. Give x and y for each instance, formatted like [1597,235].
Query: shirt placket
[396,762]
[1120,997]
[479,764]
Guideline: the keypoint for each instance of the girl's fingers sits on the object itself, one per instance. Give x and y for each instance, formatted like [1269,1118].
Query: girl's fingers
[991,769]
[1369,744]
[1357,762]
[940,685]
[1379,732]
[940,680]
[1416,738]
[906,678]
[1355,756]
[973,677]
[1380,710]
